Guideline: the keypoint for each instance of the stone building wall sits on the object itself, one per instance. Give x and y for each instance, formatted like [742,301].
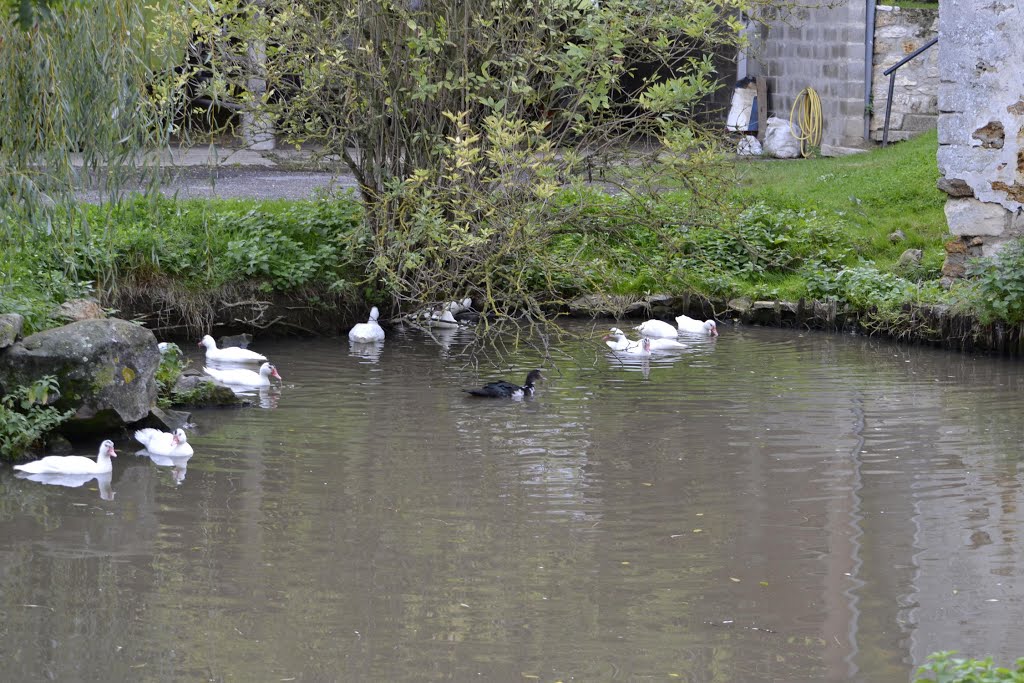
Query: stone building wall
[820,48]
[981,125]
[915,108]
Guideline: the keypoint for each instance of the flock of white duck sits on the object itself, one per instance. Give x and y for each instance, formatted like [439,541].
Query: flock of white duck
[658,335]
[170,449]
[227,365]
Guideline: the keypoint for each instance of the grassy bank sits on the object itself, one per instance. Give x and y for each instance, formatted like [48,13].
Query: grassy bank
[189,258]
[873,195]
[813,229]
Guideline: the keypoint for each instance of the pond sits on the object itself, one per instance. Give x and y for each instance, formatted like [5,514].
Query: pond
[770,505]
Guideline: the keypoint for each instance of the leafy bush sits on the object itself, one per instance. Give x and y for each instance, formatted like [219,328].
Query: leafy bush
[998,288]
[764,239]
[205,244]
[862,287]
[943,667]
[172,363]
[25,417]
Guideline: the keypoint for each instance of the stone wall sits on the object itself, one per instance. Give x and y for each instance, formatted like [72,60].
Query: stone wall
[981,125]
[820,48]
[915,108]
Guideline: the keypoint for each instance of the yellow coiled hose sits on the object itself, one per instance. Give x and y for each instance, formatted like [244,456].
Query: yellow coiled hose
[805,116]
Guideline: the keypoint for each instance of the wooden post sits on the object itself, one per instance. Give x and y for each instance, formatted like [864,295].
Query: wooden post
[762,107]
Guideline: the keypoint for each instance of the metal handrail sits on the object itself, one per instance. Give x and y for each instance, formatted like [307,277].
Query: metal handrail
[891,73]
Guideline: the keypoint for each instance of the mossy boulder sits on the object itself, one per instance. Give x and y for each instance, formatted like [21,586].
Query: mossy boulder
[10,329]
[199,391]
[106,370]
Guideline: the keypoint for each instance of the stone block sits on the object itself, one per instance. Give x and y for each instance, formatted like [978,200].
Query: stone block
[853,128]
[991,135]
[980,167]
[852,107]
[891,31]
[918,123]
[952,129]
[969,216]
[955,264]
[992,247]
[955,187]
[895,119]
[1017,223]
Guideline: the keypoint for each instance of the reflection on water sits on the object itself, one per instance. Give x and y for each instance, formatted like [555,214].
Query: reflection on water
[370,351]
[177,463]
[767,505]
[264,397]
[73,481]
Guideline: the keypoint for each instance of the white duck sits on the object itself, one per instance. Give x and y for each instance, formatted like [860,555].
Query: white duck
[164,443]
[687,324]
[369,331]
[443,318]
[245,378]
[460,306]
[168,347]
[659,344]
[229,354]
[644,349]
[657,329]
[73,464]
[617,341]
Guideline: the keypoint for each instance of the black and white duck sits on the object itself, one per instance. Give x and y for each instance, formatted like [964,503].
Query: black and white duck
[504,389]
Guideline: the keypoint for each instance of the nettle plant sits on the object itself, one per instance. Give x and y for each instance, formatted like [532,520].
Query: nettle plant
[460,118]
[997,287]
[26,416]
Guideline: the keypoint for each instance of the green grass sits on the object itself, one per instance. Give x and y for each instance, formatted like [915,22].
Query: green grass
[875,193]
[913,4]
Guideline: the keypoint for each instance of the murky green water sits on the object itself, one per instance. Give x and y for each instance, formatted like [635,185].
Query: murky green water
[768,506]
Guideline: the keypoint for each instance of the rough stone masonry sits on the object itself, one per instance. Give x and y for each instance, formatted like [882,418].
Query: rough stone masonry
[981,126]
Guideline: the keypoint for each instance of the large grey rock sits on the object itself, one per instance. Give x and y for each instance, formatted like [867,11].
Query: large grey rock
[10,329]
[166,420]
[106,370]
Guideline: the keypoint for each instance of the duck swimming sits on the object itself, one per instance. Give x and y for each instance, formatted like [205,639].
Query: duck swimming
[245,378]
[73,464]
[687,324]
[164,443]
[367,332]
[617,341]
[504,389]
[229,354]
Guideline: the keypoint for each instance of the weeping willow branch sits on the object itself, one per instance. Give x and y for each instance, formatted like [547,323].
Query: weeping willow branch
[83,106]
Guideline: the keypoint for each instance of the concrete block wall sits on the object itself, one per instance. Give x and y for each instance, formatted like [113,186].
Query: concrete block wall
[915,108]
[820,48]
[981,126]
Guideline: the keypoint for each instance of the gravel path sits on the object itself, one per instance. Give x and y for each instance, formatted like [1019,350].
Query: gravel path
[252,181]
